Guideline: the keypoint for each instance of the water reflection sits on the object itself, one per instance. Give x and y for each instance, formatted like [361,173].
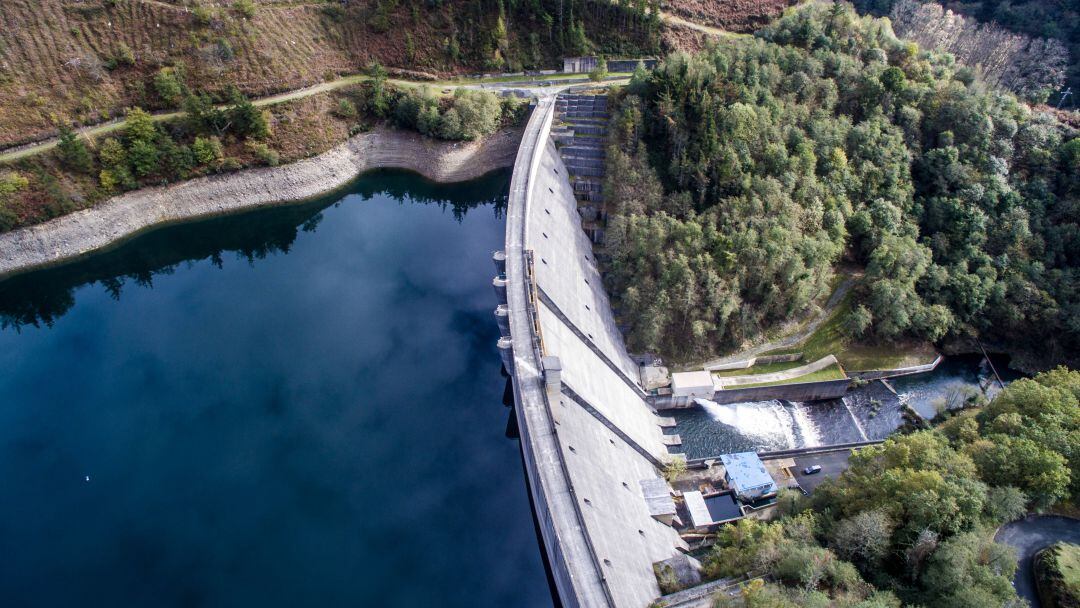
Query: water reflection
[42,297]
[318,428]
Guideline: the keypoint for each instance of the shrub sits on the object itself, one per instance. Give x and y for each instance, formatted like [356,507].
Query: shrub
[169,86]
[231,164]
[144,157]
[203,15]
[345,109]
[73,151]
[225,50]
[139,126]
[428,121]
[108,180]
[335,12]
[112,153]
[479,112]
[600,72]
[674,469]
[207,150]
[247,120]
[245,7]
[10,183]
[266,155]
[123,55]
[178,160]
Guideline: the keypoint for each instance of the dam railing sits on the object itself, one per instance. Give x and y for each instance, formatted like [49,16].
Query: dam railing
[576,570]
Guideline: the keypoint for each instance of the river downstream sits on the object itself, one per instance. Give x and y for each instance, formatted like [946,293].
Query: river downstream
[298,406]
[868,413]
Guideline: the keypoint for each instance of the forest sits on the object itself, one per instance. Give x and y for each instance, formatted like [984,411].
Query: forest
[1049,20]
[912,522]
[742,177]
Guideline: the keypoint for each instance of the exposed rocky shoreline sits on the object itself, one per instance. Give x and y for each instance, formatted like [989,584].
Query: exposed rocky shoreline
[107,224]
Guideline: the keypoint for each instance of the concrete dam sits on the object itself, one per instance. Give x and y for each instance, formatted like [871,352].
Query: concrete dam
[590,441]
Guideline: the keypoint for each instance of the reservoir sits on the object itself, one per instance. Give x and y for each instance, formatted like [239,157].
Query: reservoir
[297,406]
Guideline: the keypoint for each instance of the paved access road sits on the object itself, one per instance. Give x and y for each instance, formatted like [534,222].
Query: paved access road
[832,465]
[1028,536]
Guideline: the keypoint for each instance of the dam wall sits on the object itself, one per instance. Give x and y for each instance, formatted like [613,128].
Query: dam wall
[800,391]
[588,436]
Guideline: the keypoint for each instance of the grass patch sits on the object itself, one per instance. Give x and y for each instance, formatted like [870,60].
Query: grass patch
[831,339]
[763,368]
[1069,565]
[1057,575]
[833,372]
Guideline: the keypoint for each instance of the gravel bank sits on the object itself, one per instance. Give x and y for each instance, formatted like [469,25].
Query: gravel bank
[83,232]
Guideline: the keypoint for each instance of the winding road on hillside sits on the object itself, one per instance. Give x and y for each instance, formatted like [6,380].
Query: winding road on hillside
[533,86]
[1030,535]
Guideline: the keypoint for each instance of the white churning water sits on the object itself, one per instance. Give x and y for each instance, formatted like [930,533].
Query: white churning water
[771,423]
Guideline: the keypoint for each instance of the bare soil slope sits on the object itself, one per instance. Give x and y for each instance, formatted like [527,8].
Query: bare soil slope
[84,61]
[730,15]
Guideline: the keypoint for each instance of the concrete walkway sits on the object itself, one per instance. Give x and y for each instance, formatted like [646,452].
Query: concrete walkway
[787,374]
[1030,535]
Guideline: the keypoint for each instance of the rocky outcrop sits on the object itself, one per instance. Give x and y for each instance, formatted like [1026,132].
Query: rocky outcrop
[83,232]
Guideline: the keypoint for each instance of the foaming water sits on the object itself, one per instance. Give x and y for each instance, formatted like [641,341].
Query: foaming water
[773,424]
[868,413]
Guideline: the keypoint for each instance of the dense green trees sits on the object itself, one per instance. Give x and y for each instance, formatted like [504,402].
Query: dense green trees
[739,177]
[916,515]
[149,151]
[913,520]
[1051,19]
[467,115]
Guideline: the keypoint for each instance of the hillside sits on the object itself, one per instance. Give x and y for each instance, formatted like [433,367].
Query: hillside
[83,61]
[735,16]
[741,177]
[1043,23]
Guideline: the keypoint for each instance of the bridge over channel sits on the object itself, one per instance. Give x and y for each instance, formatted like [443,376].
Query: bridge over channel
[588,436]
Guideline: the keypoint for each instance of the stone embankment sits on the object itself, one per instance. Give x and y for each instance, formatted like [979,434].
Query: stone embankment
[83,232]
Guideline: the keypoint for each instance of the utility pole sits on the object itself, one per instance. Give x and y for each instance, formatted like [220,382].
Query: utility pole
[991,363]
[1066,93]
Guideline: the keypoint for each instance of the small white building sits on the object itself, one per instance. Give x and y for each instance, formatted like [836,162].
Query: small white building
[692,385]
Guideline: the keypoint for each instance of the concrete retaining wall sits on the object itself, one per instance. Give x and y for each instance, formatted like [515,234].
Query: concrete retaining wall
[804,391]
[879,374]
[787,374]
[752,361]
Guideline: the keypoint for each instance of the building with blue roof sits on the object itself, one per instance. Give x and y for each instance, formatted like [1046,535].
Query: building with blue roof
[745,473]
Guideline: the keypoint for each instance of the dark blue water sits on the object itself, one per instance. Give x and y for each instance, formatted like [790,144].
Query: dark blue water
[294,407]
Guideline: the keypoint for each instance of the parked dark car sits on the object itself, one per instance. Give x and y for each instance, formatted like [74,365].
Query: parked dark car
[811,470]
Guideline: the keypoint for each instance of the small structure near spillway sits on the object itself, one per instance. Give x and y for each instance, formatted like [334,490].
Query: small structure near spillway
[687,386]
[746,474]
